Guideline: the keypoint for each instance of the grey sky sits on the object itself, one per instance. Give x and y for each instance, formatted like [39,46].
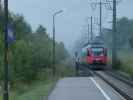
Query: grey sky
[68,24]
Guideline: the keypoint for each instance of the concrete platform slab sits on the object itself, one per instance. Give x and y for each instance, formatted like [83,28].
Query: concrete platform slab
[83,88]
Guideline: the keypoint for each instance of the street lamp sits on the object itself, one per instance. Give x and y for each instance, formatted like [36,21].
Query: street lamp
[54,15]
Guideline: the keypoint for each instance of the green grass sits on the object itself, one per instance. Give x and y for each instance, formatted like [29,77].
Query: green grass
[37,91]
[125,58]
[126,61]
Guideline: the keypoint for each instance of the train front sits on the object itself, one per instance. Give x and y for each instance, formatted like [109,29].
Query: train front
[97,55]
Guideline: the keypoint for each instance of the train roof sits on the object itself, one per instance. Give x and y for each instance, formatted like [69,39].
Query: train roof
[94,44]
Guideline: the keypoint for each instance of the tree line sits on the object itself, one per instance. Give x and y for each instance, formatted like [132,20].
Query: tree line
[124,34]
[31,52]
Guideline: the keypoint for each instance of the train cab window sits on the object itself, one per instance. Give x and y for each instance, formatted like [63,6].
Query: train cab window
[97,51]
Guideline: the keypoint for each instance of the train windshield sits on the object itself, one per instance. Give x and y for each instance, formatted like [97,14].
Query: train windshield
[97,51]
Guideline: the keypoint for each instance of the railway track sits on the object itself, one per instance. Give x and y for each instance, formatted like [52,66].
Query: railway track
[120,77]
[121,84]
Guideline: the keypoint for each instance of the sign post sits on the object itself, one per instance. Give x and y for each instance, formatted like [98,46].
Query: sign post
[6,92]
[8,39]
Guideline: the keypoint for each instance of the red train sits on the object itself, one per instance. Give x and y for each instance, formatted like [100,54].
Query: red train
[94,54]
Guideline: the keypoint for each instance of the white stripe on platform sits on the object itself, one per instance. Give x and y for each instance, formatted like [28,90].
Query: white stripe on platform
[101,90]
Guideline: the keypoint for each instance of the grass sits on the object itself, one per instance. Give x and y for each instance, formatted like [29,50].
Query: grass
[37,91]
[126,59]
[40,88]
[125,64]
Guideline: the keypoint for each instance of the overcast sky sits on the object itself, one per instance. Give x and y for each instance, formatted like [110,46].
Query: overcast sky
[70,24]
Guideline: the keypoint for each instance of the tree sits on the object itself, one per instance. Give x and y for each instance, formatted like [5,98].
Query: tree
[124,33]
[22,28]
[32,51]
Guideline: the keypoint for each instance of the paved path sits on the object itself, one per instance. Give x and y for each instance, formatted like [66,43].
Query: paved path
[83,88]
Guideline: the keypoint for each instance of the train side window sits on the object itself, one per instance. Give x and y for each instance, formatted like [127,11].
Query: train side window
[88,53]
[105,52]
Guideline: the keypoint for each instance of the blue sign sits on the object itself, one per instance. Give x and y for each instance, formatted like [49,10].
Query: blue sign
[10,35]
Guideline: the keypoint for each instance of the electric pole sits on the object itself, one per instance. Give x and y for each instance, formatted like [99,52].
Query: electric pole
[88,33]
[100,4]
[114,51]
[101,19]
[91,29]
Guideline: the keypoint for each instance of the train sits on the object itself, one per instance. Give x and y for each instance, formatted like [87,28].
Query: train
[94,55]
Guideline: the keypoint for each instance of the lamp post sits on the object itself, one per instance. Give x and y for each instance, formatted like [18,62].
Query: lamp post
[54,15]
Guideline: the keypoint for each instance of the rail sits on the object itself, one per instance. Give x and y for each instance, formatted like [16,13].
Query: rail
[126,91]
